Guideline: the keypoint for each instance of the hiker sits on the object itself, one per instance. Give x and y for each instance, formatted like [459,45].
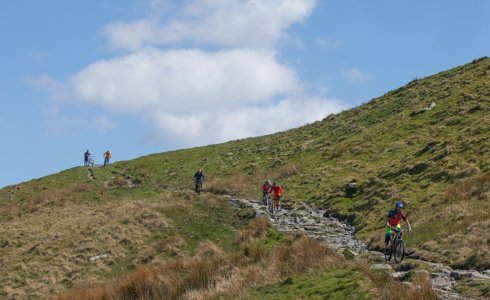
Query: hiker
[107,157]
[86,158]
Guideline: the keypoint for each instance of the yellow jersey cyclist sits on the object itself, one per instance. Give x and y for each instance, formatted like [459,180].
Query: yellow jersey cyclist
[393,221]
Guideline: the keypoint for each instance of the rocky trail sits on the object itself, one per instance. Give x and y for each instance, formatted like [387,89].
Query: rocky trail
[313,222]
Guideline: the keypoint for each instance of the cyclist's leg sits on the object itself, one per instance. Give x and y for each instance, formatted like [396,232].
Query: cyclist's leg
[387,236]
[397,229]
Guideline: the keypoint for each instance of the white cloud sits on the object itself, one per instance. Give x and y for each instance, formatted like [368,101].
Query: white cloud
[243,23]
[355,75]
[184,80]
[331,44]
[213,127]
[57,90]
[192,96]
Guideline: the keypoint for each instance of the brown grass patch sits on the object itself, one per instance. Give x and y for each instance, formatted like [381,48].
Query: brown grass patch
[256,229]
[229,185]
[210,274]
[288,170]
[476,188]
[46,251]
[386,287]
[57,197]
[460,226]
[304,254]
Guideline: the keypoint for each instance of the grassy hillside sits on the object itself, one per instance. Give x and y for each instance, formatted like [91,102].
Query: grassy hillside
[65,229]
[426,143]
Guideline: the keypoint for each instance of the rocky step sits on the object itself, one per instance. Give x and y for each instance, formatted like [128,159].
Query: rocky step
[310,221]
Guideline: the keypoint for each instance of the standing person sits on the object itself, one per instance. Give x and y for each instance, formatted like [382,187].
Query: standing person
[107,157]
[199,177]
[266,189]
[393,221]
[86,157]
[277,190]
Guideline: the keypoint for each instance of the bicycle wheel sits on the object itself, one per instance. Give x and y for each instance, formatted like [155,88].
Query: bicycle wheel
[388,252]
[198,187]
[399,250]
[271,206]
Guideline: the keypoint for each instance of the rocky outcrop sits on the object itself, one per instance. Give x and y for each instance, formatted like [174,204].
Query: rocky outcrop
[310,221]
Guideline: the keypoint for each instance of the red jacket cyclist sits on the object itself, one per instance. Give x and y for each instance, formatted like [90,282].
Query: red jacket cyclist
[393,221]
[277,190]
[266,189]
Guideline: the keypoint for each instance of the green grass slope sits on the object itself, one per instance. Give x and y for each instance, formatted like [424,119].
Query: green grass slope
[426,143]
[62,230]
[396,148]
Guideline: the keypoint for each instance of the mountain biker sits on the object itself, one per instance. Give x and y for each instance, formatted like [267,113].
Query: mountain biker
[266,189]
[107,157]
[86,157]
[199,176]
[393,221]
[277,194]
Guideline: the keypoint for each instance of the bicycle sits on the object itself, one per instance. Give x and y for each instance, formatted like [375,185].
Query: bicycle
[274,205]
[265,198]
[198,187]
[396,247]
[90,162]
[271,206]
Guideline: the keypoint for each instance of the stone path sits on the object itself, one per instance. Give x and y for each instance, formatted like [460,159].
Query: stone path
[311,222]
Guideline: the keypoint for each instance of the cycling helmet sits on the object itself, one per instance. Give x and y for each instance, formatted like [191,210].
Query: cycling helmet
[399,204]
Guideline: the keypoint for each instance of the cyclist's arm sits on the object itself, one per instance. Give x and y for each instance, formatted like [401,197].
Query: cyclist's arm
[408,223]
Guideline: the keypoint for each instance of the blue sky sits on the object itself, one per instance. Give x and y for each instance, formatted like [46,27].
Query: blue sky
[139,77]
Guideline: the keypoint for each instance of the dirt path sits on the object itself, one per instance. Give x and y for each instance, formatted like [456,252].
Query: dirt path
[90,174]
[311,222]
